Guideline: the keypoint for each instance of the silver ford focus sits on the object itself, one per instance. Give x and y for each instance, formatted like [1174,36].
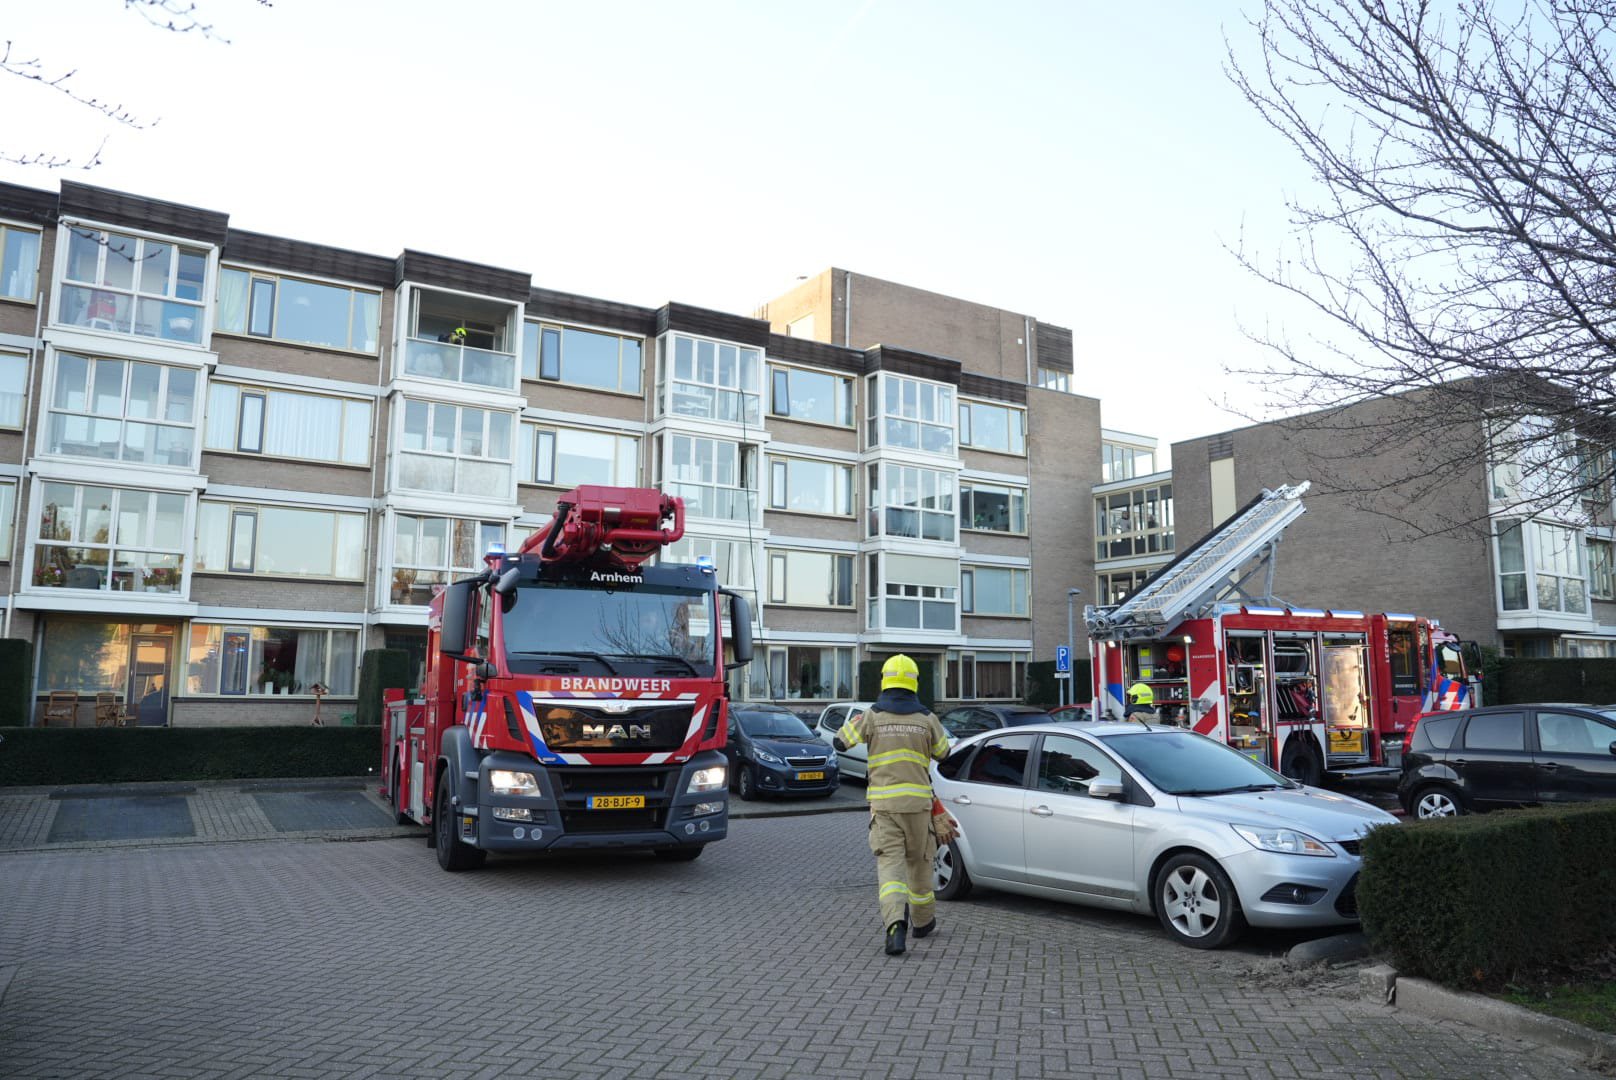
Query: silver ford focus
[1151,819]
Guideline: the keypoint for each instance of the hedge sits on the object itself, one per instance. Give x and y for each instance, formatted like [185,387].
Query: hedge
[16,676]
[34,756]
[1518,680]
[381,669]
[1474,901]
[1043,689]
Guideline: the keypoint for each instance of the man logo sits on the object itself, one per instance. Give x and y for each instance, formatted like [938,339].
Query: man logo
[625,732]
[615,706]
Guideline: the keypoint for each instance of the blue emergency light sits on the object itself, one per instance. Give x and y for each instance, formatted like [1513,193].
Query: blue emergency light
[705,565]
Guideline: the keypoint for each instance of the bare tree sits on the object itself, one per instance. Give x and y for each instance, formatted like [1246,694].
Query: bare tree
[173,16]
[1461,239]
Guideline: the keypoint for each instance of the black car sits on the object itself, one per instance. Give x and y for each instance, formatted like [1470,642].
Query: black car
[1508,755]
[974,719]
[772,752]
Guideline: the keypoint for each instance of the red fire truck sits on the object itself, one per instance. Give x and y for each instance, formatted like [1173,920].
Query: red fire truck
[1303,690]
[574,694]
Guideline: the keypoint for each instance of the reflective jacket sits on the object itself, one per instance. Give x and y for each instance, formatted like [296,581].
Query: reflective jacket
[902,746]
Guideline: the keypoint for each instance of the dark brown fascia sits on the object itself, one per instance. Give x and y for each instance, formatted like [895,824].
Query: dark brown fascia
[713,324]
[469,277]
[591,311]
[138,212]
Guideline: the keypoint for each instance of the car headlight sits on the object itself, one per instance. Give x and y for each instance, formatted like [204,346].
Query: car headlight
[712,778]
[1284,841]
[763,755]
[506,782]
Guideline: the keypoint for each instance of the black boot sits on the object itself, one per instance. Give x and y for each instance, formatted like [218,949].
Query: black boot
[926,931]
[895,933]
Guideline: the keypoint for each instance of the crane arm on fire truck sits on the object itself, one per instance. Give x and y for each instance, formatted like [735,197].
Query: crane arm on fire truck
[1204,572]
[620,525]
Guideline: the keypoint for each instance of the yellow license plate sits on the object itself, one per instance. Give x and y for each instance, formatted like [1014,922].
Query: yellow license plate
[617,802]
[810,776]
[1346,742]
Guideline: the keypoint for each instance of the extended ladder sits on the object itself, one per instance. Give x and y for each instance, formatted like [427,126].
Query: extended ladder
[1204,572]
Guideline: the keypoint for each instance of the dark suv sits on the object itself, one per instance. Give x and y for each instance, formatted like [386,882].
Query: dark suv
[1508,755]
[771,751]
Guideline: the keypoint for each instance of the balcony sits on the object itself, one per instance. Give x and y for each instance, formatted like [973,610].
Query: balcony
[460,363]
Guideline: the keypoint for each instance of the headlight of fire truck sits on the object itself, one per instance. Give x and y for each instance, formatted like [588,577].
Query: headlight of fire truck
[713,778]
[1284,841]
[506,782]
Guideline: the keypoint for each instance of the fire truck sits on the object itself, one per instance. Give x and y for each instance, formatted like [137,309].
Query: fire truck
[1302,690]
[574,694]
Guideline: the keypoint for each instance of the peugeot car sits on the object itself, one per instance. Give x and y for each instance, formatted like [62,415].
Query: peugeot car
[772,752]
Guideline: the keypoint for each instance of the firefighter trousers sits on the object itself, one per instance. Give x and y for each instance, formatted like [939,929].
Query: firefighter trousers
[904,849]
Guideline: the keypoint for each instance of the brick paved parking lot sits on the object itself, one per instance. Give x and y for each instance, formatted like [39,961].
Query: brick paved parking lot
[308,958]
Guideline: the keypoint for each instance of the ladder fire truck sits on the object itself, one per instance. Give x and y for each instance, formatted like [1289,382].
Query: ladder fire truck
[1302,690]
[574,695]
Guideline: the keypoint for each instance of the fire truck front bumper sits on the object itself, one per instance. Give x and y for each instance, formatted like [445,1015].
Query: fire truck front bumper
[594,807]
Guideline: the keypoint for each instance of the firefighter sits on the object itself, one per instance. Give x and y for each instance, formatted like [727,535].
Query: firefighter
[1141,699]
[903,738]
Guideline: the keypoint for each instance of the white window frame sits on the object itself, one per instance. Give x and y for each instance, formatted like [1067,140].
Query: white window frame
[447,569]
[6,356]
[736,401]
[838,576]
[780,486]
[106,240]
[14,289]
[232,420]
[460,485]
[959,667]
[1014,494]
[842,392]
[274,281]
[702,475]
[1015,426]
[1601,568]
[777,660]
[37,543]
[243,526]
[887,481]
[539,450]
[1020,590]
[885,415]
[1539,552]
[92,361]
[539,331]
[252,667]
[8,519]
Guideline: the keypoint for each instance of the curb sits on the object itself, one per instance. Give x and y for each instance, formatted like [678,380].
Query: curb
[1333,949]
[1425,998]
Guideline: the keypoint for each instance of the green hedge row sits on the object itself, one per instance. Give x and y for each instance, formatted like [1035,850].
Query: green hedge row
[16,676]
[32,757]
[1473,901]
[381,669]
[1517,680]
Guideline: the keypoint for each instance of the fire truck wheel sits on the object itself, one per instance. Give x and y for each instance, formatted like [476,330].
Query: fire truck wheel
[1196,904]
[399,816]
[949,877]
[679,854]
[748,783]
[454,855]
[1301,763]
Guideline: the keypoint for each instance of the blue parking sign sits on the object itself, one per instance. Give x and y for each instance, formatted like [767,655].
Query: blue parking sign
[1063,658]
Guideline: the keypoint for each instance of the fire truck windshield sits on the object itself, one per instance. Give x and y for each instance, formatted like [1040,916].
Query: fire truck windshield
[620,631]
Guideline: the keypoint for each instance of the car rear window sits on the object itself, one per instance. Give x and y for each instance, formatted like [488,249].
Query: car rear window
[1496,731]
[1437,731]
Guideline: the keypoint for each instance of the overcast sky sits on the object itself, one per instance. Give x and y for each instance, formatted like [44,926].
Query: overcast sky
[1083,162]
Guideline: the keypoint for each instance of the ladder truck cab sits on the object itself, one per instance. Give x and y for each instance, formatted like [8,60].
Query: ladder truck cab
[574,694]
[1302,690]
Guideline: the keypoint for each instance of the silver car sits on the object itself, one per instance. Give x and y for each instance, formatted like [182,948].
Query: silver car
[856,761]
[1155,820]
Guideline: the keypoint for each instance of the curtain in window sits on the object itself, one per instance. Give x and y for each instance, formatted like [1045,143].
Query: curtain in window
[309,667]
[301,425]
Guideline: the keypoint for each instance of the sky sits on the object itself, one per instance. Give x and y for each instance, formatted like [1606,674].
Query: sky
[1087,163]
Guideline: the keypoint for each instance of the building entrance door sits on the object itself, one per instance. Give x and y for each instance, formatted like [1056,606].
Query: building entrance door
[148,678]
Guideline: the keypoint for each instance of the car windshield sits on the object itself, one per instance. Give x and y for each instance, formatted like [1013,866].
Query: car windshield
[620,630]
[762,724]
[1183,763]
[1608,714]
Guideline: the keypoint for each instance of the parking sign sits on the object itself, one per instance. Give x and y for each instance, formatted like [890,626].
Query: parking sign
[1063,658]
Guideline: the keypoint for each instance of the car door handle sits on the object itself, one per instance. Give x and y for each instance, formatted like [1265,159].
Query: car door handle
[1549,765]
[963,800]
[1458,761]
[1041,811]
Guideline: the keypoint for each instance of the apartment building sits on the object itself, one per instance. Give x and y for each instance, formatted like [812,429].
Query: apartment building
[1433,524]
[1134,535]
[230,462]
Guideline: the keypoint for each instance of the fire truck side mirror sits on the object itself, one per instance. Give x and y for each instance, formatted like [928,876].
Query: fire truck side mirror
[456,619]
[1472,658]
[740,626]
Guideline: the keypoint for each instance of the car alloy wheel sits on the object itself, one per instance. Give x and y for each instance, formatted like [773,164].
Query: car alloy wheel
[949,877]
[1196,902]
[748,783]
[1435,802]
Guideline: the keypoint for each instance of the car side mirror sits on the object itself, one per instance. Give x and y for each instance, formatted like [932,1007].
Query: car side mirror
[1105,789]
[1613,748]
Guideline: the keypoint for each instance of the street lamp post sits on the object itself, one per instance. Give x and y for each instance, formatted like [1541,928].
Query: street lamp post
[1070,690]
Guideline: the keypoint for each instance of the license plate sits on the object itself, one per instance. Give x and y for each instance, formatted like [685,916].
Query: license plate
[810,776]
[1346,742]
[617,802]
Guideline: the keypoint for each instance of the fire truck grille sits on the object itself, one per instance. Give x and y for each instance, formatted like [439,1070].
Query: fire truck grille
[595,780]
[584,728]
[1346,905]
[588,821]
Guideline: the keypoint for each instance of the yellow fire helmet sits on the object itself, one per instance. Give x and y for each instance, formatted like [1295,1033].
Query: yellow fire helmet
[901,672]
[1140,694]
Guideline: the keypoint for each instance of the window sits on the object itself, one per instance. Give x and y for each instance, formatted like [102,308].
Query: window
[985,676]
[577,357]
[1121,462]
[109,539]
[455,448]
[810,673]
[1511,566]
[810,487]
[13,388]
[270,661]
[918,593]
[993,427]
[1569,733]
[460,339]
[568,457]
[19,262]
[1067,765]
[1601,570]
[1055,379]
[714,478]
[291,309]
[1001,761]
[993,507]
[732,561]
[911,415]
[986,590]
[709,380]
[287,424]
[435,550]
[279,541]
[1560,582]
[1138,522]
[917,503]
[1496,731]
[810,578]
[133,285]
[1439,730]
[8,514]
[813,396]
[1118,585]
[122,410]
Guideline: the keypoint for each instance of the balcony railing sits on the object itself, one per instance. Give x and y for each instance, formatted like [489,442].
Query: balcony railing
[460,363]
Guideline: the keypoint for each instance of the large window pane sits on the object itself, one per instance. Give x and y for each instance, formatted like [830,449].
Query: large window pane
[84,656]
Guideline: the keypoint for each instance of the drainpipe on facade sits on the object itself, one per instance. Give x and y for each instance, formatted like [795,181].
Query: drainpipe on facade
[1026,337]
[34,368]
[847,309]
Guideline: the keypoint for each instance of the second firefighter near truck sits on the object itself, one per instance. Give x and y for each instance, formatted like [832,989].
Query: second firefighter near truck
[903,739]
